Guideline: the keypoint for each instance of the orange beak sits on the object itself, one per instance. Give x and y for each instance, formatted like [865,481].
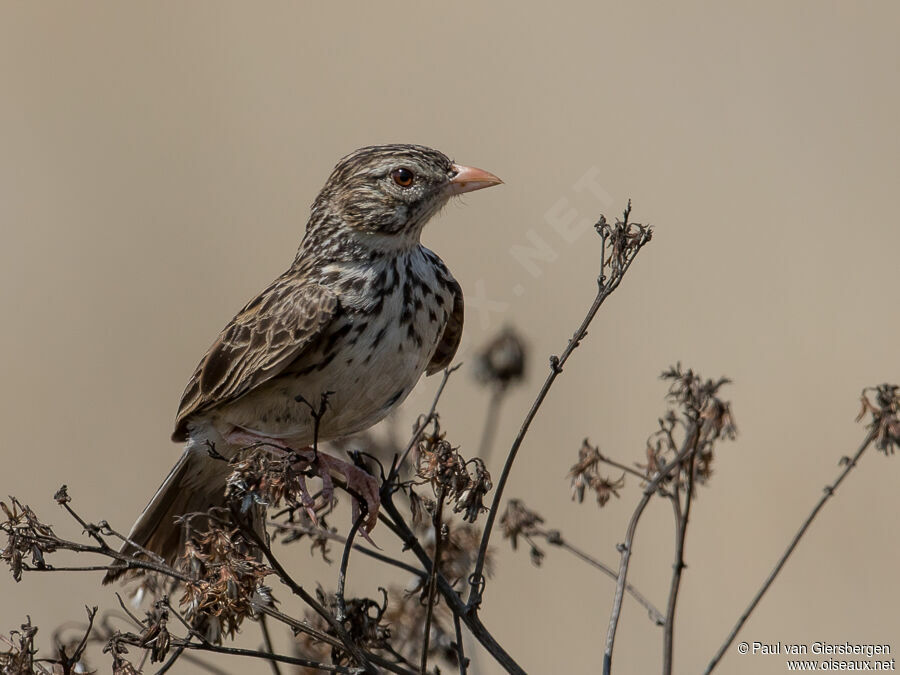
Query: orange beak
[469,179]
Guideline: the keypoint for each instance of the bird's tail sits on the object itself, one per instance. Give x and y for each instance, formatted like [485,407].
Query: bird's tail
[195,484]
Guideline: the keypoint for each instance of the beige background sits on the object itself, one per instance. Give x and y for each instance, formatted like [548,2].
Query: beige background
[157,164]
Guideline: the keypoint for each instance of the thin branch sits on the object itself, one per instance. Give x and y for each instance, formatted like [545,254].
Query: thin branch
[68,662]
[555,538]
[298,626]
[463,662]
[626,547]
[432,579]
[829,492]
[334,536]
[300,592]
[491,421]
[267,641]
[604,289]
[622,467]
[129,563]
[682,517]
[345,561]
[398,525]
[252,653]
[89,528]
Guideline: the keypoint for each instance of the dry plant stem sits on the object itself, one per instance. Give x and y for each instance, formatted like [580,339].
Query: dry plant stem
[432,579]
[130,563]
[556,539]
[649,490]
[491,422]
[267,641]
[298,626]
[90,529]
[294,527]
[460,650]
[345,561]
[352,648]
[682,516]
[235,651]
[68,662]
[604,289]
[205,645]
[392,517]
[829,492]
[199,662]
[623,467]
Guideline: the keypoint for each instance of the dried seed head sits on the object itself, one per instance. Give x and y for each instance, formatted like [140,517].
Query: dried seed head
[585,474]
[226,579]
[439,464]
[518,520]
[884,411]
[501,362]
[26,536]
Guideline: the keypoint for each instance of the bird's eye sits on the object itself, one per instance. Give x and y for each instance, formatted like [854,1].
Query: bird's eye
[403,177]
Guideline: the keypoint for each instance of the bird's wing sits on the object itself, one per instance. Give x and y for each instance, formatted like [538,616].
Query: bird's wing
[449,341]
[268,334]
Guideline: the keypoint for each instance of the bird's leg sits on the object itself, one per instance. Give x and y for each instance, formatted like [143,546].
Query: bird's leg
[360,484]
[309,504]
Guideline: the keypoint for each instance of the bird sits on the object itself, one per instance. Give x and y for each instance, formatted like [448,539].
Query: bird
[363,311]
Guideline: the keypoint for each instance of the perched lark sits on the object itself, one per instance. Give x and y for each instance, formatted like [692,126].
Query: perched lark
[361,313]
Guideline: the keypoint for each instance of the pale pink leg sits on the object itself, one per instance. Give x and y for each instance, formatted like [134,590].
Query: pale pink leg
[357,481]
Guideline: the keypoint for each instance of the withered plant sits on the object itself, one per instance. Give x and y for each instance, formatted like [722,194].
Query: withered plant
[437,499]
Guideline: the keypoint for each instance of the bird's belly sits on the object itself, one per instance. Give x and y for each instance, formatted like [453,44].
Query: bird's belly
[368,373]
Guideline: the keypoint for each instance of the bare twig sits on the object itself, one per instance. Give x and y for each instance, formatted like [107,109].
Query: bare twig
[624,253]
[554,537]
[618,465]
[460,650]
[491,422]
[267,641]
[392,517]
[351,646]
[682,517]
[432,579]
[849,465]
[235,651]
[345,561]
[334,536]
[626,547]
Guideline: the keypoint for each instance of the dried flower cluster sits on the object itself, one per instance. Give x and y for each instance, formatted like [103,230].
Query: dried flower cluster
[19,657]
[226,579]
[392,627]
[520,521]
[585,474]
[363,619]
[624,240]
[699,416]
[116,647]
[26,536]
[439,464]
[267,478]
[884,415]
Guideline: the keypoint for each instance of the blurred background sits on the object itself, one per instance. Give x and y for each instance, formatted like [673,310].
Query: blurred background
[157,164]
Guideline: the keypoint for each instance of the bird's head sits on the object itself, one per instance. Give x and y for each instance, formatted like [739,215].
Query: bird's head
[386,193]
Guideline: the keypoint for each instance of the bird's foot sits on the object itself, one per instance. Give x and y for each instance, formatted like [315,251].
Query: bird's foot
[362,486]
